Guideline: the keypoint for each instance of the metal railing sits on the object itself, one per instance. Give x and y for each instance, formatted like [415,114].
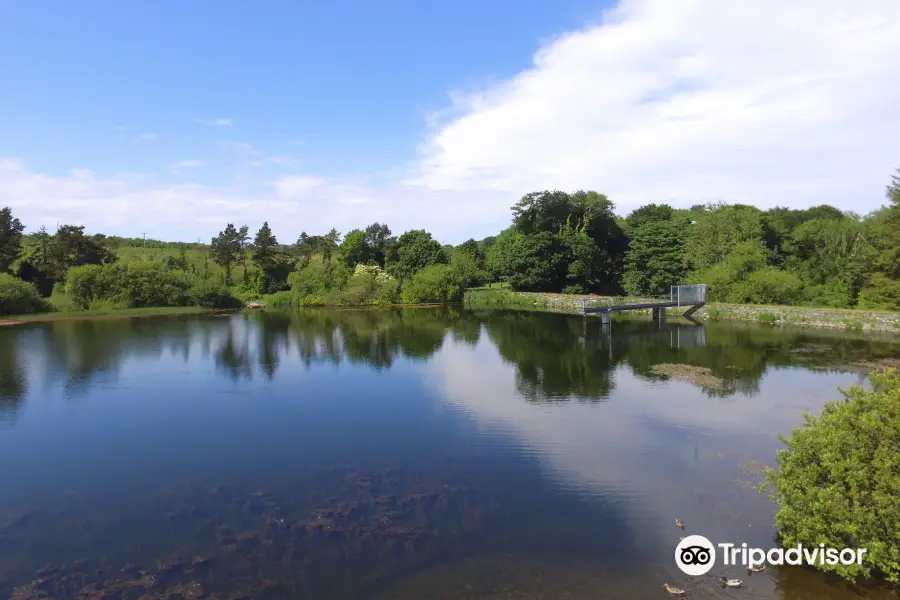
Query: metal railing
[689,294]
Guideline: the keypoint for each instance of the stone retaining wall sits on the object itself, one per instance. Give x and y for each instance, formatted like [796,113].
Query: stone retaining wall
[857,320]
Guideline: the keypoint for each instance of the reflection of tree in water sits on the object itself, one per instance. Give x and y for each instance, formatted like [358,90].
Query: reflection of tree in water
[80,350]
[556,356]
[371,337]
[13,374]
[233,354]
[563,356]
[551,363]
[272,336]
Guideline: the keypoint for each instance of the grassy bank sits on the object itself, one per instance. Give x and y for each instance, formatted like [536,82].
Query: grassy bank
[112,313]
[803,316]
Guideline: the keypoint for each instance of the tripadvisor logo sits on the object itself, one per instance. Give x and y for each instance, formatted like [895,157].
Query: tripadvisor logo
[696,555]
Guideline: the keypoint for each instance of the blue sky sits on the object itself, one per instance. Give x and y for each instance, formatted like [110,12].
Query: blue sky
[353,80]
[175,117]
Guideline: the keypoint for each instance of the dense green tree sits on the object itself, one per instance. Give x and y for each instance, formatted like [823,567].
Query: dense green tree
[328,243]
[415,250]
[226,249]
[379,242]
[829,256]
[304,249]
[647,214]
[469,247]
[10,239]
[71,248]
[355,249]
[716,231]
[243,237]
[535,262]
[483,247]
[888,241]
[655,259]
[264,248]
[591,238]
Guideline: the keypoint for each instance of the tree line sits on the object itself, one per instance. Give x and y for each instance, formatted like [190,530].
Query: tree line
[557,242]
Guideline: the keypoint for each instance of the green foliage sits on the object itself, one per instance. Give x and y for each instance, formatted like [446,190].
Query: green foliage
[588,252]
[355,249]
[649,213]
[370,285]
[415,250]
[734,268]
[534,262]
[881,292]
[495,297]
[11,230]
[129,286]
[655,259]
[717,231]
[838,480]
[211,294]
[434,284]
[265,248]
[767,317]
[19,297]
[558,242]
[767,285]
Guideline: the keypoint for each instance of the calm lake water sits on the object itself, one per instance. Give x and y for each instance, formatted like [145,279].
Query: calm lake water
[397,454]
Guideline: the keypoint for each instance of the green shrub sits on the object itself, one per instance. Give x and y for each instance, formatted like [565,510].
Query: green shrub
[369,285]
[318,278]
[282,300]
[135,285]
[211,294]
[85,284]
[19,297]
[437,283]
[880,292]
[838,480]
[766,317]
[141,285]
[498,297]
[769,286]
[834,294]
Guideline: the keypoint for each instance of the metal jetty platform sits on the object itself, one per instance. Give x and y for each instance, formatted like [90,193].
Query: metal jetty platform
[691,295]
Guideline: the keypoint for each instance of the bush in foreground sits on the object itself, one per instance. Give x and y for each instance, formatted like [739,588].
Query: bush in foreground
[838,481]
[19,297]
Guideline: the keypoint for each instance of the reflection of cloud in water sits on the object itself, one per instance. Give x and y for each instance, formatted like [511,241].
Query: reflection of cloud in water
[655,446]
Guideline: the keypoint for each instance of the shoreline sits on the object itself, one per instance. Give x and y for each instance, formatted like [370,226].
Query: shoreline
[857,320]
[849,319]
[160,311]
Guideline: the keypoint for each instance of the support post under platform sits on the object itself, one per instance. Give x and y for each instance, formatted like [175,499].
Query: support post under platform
[604,317]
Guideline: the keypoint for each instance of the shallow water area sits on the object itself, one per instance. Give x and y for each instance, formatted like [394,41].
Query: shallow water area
[436,453]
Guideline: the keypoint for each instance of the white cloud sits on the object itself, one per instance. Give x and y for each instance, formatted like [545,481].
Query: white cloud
[214,122]
[767,103]
[291,186]
[147,137]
